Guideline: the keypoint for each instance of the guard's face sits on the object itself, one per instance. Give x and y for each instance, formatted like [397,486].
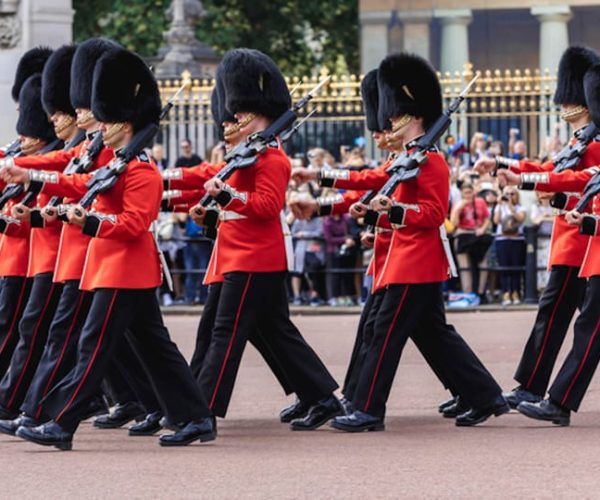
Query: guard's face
[64,125]
[232,134]
[85,119]
[30,145]
[113,134]
[380,139]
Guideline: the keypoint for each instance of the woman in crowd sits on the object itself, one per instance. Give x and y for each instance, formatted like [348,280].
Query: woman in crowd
[510,244]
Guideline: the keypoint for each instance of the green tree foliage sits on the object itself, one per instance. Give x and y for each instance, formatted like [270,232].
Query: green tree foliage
[137,24]
[299,34]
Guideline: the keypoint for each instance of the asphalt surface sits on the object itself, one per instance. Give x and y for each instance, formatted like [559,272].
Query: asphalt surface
[420,455]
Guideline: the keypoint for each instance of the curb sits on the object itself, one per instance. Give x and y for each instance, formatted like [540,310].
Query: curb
[353,310]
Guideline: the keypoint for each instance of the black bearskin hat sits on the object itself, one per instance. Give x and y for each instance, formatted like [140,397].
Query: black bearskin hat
[82,69]
[574,62]
[591,86]
[370,99]
[56,79]
[125,90]
[408,85]
[253,83]
[31,63]
[33,120]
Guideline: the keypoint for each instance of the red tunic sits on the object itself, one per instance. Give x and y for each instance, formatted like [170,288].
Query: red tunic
[416,253]
[253,239]
[14,245]
[122,252]
[591,262]
[567,245]
[66,246]
[575,181]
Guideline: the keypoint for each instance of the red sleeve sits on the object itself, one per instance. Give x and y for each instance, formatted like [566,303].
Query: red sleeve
[366,179]
[551,182]
[57,184]
[432,206]
[183,201]
[533,166]
[268,198]
[348,199]
[190,177]
[142,193]
[54,161]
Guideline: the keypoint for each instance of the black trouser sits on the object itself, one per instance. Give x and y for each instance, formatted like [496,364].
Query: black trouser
[59,353]
[256,338]
[14,293]
[363,342]
[33,332]
[562,296]
[136,314]
[577,371]
[417,311]
[250,302]
[127,367]
[358,350]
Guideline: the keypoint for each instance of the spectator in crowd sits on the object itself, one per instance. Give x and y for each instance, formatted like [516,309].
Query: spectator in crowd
[471,218]
[510,243]
[356,159]
[171,244]
[187,157]
[340,249]
[196,256]
[489,193]
[478,148]
[309,259]
[542,217]
[158,156]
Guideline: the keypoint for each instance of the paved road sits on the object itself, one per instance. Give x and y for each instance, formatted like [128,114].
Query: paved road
[420,455]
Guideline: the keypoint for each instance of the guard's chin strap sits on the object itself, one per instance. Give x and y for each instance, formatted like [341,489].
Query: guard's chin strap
[112,131]
[64,124]
[30,145]
[85,119]
[574,113]
[234,129]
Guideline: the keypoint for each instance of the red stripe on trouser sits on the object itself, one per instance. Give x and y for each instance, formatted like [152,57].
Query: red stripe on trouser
[92,359]
[61,356]
[230,346]
[584,359]
[16,315]
[383,349]
[550,323]
[31,346]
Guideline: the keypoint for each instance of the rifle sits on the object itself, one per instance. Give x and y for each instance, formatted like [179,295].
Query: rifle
[570,156]
[406,167]
[13,149]
[246,154]
[106,177]
[592,188]
[14,190]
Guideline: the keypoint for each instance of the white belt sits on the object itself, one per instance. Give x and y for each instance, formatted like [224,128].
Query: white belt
[448,251]
[153,229]
[225,216]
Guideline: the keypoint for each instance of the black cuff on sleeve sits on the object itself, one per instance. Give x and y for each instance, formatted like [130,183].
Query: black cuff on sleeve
[325,210]
[91,226]
[397,215]
[326,182]
[588,226]
[371,218]
[223,198]
[527,186]
[559,201]
[36,218]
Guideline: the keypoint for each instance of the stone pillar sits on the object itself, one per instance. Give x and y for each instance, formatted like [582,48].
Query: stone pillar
[417,32]
[554,39]
[373,39]
[23,25]
[455,38]
[554,34]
